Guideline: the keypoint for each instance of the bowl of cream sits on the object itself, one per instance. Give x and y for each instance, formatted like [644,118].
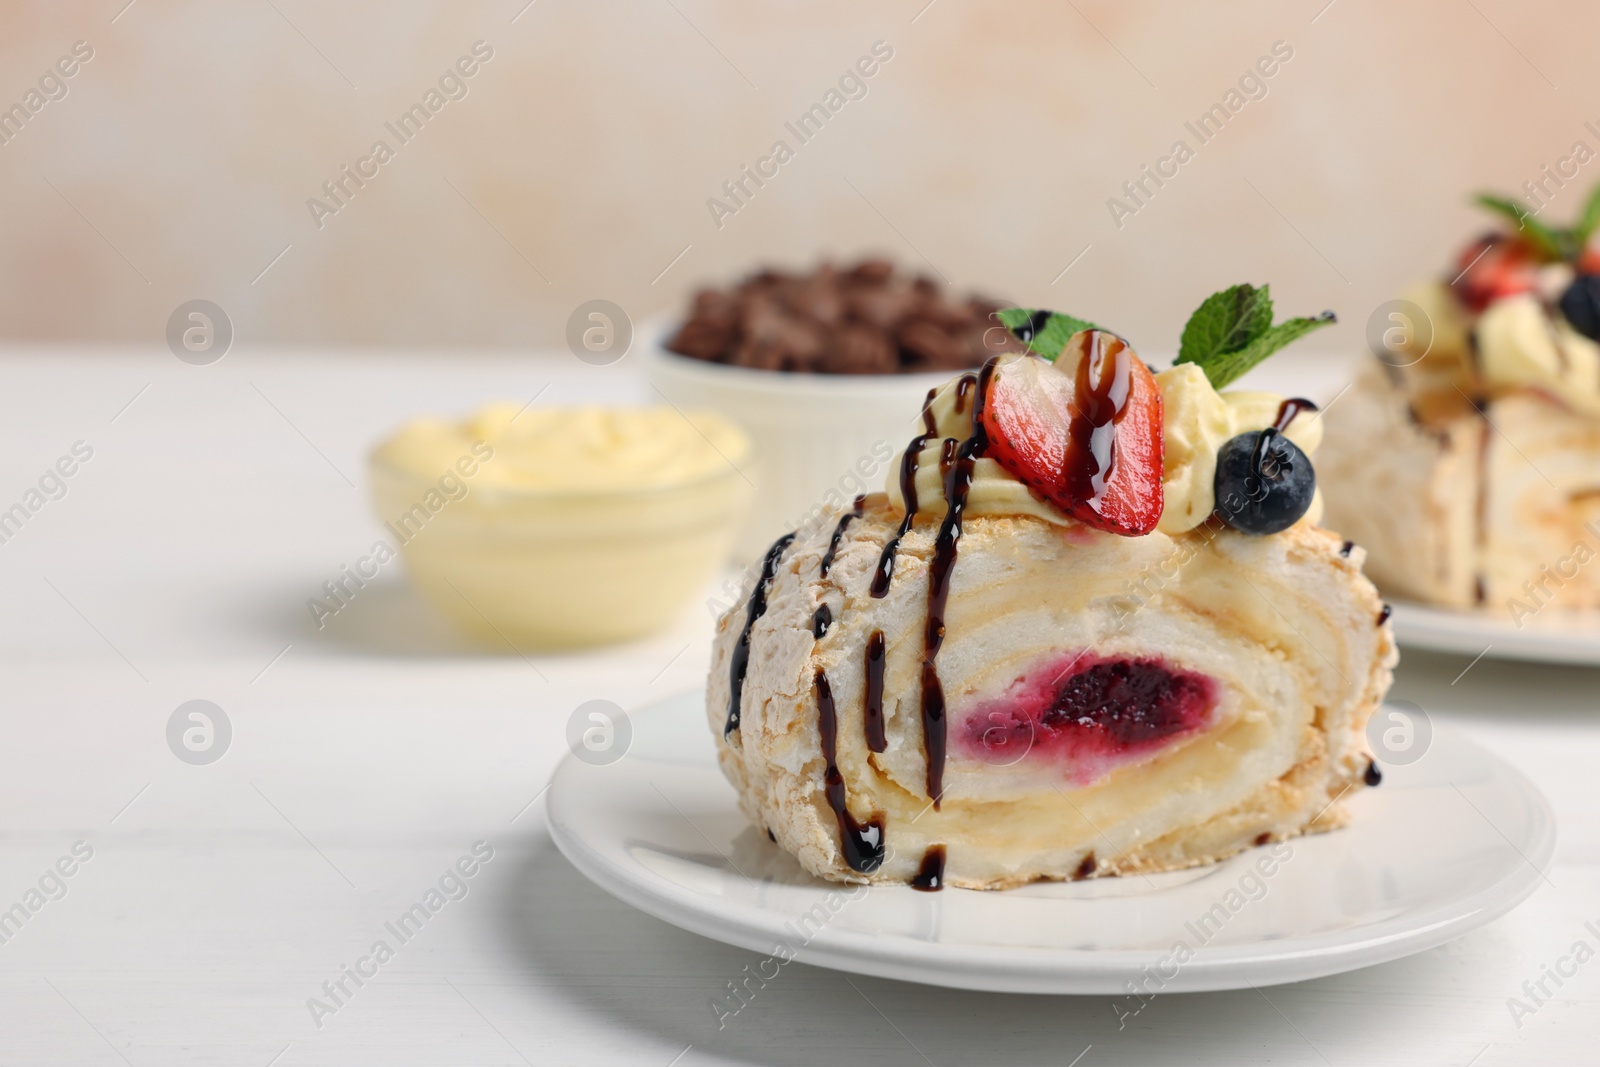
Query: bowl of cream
[548,528]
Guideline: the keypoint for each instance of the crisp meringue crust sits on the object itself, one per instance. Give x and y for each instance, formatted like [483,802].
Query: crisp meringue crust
[1283,633]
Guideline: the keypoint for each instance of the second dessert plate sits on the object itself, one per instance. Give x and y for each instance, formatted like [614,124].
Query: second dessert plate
[1443,846]
[1540,640]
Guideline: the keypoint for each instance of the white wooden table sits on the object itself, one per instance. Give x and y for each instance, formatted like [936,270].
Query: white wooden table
[367,758]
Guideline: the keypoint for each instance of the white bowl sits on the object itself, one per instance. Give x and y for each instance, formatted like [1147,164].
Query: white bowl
[819,438]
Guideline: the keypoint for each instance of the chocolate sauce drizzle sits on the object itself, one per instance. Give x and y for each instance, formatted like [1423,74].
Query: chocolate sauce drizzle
[930,876]
[1104,382]
[872,715]
[821,621]
[1344,549]
[1289,409]
[1086,867]
[739,662]
[838,534]
[964,386]
[945,548]
[908,495]
[861,843]
[1383,616]
[1373,776]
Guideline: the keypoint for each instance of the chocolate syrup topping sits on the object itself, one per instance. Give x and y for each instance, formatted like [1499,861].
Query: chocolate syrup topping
[739,662]
[1289,409]
[964,386]
[908,494]
[872,715]
[930,876]
[838,535]
[1258,454]
[947,456]
[1373,776]
[1383,616]
[1085,868]
[861,843]
[821,621]
[945,548]
[1104,383]
[930,425]
[1344,549]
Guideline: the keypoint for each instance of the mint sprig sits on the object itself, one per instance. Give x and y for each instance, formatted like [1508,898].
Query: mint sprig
[1232,331]
[1555,244]
[1044,332]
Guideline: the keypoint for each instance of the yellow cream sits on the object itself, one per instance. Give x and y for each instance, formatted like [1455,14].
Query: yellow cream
[561,528]
[1196,422]
[588,449]
[1519,345]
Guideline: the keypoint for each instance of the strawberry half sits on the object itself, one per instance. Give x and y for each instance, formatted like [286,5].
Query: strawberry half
[1493,268]
[1083,433]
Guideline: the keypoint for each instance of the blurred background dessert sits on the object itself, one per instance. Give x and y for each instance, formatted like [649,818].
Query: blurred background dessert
[1466,458]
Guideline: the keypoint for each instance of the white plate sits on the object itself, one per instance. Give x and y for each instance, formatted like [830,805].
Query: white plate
[1421,863]
[1542,639]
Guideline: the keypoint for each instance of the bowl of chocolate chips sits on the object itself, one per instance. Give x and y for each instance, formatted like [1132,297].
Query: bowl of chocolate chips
[819,368]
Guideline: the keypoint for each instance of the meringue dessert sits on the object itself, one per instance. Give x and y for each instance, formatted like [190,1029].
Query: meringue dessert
[1090,628]
[1478,427]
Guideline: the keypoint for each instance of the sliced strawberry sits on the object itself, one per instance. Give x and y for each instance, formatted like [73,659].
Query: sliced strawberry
[1083,433]
[1589,261]
[1495,267]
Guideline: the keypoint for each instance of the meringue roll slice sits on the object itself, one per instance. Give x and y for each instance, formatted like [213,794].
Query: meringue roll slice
[987,676]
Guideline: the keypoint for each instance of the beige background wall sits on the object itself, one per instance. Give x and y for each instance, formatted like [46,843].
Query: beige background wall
[579,163]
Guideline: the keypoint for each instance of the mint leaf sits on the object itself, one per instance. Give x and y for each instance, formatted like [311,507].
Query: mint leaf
[1555,244]
[1225,322]
[1226,367]
[1044,332]
[1589,221]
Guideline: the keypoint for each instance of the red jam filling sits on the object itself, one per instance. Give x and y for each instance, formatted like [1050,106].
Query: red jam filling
[1089,714]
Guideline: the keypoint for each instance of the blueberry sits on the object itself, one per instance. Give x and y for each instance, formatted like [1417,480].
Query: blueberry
[1581,305]
[1271,498]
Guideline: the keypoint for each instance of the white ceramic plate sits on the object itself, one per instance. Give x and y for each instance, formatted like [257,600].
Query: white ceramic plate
[1421,863]
[1542,639]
